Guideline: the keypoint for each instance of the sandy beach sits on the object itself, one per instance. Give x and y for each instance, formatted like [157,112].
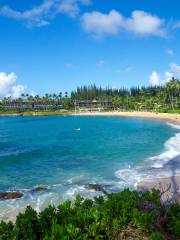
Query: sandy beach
[169,188]
[153,115]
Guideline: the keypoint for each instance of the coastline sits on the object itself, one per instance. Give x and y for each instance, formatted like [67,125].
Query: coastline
[169,188]
[151,115]
[169,185]
[32,114]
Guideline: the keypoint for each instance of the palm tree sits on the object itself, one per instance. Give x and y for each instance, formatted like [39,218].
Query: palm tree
[170,86]
[60,95]
[66,94]
[47,96]
[54,96]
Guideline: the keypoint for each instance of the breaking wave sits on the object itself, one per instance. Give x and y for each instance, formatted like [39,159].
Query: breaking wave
[163,165]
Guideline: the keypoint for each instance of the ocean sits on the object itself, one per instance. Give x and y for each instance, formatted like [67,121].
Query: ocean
[65,153]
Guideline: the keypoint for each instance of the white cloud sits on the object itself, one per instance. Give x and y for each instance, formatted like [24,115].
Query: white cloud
[33,17]
[175,68]
[41,15]
[17,91]
[155,79]
[32,93]
[167,77]
[71,7]
[140,23]
[8,86]
[143,23]
[100,64]
[98,23]
[170,52]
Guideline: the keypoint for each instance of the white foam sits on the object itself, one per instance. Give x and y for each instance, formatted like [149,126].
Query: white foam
[132,177]
[152,168]
[172,151]
[173,125]
[72,192]
[155,167]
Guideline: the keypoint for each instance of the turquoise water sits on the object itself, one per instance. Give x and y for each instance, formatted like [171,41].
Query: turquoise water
[49,151]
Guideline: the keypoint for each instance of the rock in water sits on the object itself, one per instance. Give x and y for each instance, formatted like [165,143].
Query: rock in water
[39,189]
[96,187]
[10,195]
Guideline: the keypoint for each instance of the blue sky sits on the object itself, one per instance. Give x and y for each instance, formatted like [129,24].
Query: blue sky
[57,45]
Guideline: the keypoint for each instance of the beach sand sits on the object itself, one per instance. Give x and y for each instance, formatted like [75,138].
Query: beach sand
[169,188]
[153,115]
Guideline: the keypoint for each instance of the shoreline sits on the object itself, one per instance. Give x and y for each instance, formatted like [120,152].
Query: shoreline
[170,186]
[35,114]
[150,115]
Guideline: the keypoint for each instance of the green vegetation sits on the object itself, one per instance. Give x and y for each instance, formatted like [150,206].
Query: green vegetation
[164,98]
[38,113]
[124,215]
[158,98]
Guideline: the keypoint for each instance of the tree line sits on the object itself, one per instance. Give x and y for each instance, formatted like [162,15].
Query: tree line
[164,98]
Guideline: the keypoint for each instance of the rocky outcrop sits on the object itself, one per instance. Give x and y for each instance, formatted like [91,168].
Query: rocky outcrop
[39,189]
[95,187]
[10,195]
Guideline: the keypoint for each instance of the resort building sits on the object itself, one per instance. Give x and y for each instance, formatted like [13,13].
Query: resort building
[93,105]
[28,105]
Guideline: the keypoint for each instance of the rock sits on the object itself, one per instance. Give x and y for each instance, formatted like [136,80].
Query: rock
[39,189]
[96,187]
[10,195]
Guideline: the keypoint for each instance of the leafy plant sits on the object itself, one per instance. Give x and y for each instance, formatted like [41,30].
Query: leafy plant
[156,236]
[173,220]
[128,212]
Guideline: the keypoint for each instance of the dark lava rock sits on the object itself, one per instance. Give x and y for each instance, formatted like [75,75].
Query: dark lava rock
[96,187]
[39,189]
[10,195]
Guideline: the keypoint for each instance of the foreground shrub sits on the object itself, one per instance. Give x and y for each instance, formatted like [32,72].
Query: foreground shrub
[173,220]
[6,230]
[27,225]
[128,214]
[156,236]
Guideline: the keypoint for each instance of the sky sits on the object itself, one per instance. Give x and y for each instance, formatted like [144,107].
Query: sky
[51,46]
